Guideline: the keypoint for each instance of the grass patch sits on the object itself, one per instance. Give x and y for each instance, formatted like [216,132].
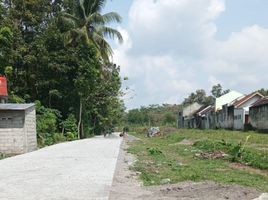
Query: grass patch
[166,158]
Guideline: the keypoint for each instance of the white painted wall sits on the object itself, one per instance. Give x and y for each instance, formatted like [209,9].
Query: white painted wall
[249,103]
[226,99]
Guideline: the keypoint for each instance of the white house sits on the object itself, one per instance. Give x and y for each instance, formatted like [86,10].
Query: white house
[226,99]
[241,109]
[223,115]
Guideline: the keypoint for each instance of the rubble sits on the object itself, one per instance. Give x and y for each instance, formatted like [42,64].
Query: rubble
[211,155]
[153,131]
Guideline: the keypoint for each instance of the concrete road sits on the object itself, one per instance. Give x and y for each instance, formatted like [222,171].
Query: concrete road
[79,170]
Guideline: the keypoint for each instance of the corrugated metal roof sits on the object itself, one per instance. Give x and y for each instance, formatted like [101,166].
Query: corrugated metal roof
[239,102]
[206,110]
[263,101]
[12,106]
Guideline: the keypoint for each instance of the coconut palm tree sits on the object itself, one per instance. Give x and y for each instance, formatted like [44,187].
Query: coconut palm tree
[88,24]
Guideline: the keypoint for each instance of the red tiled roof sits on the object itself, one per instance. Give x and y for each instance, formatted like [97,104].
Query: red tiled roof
[244,99]
[263,101]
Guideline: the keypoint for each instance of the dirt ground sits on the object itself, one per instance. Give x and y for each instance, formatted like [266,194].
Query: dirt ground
[127,186]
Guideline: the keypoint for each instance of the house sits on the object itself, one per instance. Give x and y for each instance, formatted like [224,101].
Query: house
[226,98]
[258,114]
[17,128]
[240,108]
[206,117]
[186,118]
[224,114]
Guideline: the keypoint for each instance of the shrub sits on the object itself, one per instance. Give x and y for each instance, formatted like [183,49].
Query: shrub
[237,152]
[154,151]
[70,124]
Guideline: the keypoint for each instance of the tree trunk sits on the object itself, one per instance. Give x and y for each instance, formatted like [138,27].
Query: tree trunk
[82,136]
[80,120]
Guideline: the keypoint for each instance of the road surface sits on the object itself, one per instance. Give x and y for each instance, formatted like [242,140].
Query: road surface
[79,170]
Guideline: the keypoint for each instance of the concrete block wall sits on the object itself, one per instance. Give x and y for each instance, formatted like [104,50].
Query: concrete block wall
[18,131]
[258,117]
[30,130]
[11,141]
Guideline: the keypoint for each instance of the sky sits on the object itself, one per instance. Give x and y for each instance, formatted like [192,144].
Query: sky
[174,47]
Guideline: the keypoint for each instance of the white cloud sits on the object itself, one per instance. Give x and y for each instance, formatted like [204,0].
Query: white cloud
[170,50]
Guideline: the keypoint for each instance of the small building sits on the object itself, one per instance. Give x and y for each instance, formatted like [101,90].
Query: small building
[187,118]
[17,128]
[226,99]
[224,114]
[206,117]
[258,114]
[240,109]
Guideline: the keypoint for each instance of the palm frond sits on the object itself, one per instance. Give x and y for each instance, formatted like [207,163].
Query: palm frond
[109,32]
[75,35]
[95,19]
[97,5]
[70,19]
[80,10]
[112,17]
[103,47]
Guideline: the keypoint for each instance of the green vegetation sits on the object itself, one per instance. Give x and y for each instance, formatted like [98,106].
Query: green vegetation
[166,114]
[178,156]
[2,156]
[55,53]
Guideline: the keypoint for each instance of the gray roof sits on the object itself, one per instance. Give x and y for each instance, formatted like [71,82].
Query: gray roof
[13,106]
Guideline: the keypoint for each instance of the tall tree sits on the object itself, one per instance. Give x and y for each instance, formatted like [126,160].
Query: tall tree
[217,91]
[263,91]
[87,24]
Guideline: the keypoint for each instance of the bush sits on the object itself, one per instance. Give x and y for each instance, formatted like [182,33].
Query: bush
[237,152]
[70,124]
[71,136]
[154,151]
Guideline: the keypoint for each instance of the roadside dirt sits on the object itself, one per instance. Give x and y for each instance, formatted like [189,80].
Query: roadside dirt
[127,186]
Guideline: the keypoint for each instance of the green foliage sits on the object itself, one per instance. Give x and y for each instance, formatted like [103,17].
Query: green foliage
[179,164]
[154,151]
[87,25]
[199,96]
[40,67]
[263,91]
[70,124]
[169,118]
[153,115]
[217,91]
[126,129]
[237,152]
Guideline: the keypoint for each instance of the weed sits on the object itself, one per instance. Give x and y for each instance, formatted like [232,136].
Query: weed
[154,151]
[163,159]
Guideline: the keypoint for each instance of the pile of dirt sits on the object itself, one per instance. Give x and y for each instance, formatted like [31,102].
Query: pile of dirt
[127,186]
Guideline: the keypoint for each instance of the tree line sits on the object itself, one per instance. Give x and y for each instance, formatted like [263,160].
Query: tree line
[55,53]
[166,114]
